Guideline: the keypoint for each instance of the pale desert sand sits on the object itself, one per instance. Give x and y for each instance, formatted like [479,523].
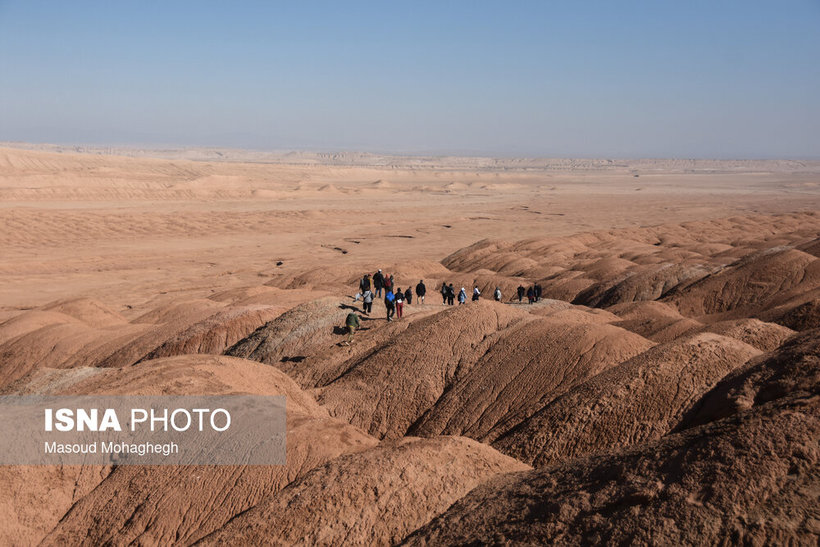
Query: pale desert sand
[125,230]
[664,390]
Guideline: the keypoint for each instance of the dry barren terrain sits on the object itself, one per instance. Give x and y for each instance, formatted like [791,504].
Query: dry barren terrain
[665,389]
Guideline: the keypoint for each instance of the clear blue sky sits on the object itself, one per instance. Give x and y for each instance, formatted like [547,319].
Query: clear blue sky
[658,78]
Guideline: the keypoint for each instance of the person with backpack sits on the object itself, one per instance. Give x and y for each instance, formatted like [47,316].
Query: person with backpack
[364,284]
[408,295]
[521,292]
[388,283]
[352,323]
[421,290]
[451,294]
[462,296]
[476,293]
[531,295]
[367,301]
[378,283]
[444,291]
[399,303]
[389,303]
[497,294]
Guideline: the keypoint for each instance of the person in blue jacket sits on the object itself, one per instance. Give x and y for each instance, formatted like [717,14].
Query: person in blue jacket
[389,303]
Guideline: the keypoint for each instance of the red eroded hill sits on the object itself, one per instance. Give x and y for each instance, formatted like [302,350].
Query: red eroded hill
[658,387]
[639,400]
[750,477]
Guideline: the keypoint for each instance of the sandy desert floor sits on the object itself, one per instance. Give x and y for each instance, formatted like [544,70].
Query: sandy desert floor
[664,390]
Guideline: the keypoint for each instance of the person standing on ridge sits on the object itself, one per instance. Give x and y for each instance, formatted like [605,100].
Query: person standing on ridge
[521,292]
[537,290]
[367,301]
[389,303]
[444,291]
[462,296]
[451,294]
[378,283]
[421,290]
[399,303]
[408,294]
[476,293]
[497,294]
[352,323]
[530,295]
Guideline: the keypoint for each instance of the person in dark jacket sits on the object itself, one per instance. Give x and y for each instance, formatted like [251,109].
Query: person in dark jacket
[378,283]
[537,290]
[531,295]
[521,292]
[399,303]
[476,294]
[364,284]
[421,290]
[408,294]
[451,294]
[389,303]
[444,292]
[497,294]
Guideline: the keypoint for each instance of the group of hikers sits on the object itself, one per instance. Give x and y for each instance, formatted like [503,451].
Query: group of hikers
[448,294]
[371,287]
[533,293]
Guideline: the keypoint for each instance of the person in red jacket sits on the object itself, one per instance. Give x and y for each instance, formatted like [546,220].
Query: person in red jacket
[399,303]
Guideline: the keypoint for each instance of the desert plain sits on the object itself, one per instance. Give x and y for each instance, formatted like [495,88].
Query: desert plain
[665,389]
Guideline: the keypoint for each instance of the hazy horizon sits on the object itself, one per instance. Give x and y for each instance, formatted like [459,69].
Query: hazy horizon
[147,148]
[530,79]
